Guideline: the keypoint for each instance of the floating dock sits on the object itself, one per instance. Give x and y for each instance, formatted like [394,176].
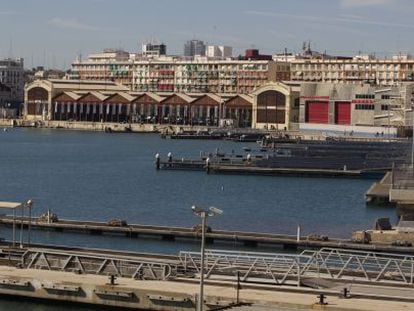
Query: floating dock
[379,192]
[319,159]
[239,166]
[166,233]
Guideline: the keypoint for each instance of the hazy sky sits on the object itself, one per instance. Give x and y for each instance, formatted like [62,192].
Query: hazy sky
[53,32]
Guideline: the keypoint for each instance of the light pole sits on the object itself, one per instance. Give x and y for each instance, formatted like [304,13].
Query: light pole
[203,214]
[412,136]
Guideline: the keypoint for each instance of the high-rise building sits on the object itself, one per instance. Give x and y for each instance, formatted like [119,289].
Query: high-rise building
[12,76]
[194,48]
[154,49]
[219,51]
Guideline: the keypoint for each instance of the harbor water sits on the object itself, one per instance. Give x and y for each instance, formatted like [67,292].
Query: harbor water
[101,176]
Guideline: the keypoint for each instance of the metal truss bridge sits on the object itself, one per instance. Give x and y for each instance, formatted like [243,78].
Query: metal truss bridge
[327,264]
[281,268]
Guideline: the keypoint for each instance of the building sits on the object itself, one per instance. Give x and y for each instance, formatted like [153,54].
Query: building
[254,54]
[88,101]
[202,75]
[194,47]
[110,55]
[356,70]
[345,107]
[5,100]
[178,74]
[154,50]
[110,65]
[39,95]
[219,51]
[275,106]
[12,75]
[322,107]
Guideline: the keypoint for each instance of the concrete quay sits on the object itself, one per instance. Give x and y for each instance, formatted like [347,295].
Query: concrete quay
[178,295]
[379,192]
[111,127]
[6,123]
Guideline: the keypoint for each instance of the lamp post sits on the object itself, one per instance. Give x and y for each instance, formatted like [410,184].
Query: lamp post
[203,214]
[412,136]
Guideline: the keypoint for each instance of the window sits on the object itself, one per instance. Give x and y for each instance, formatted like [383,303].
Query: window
[364,107]
[385,107]
[385,96]
[364,96]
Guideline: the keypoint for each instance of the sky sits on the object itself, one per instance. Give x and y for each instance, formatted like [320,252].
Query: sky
[53,33]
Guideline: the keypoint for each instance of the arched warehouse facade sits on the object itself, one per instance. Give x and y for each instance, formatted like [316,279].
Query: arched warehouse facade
[275,107]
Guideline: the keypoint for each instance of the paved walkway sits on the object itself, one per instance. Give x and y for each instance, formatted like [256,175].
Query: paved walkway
[269,300]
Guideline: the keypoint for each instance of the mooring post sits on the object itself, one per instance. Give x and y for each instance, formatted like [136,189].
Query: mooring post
[208,165]
[238,287]
[169,155]
[112,279]
[345,293]
[157,161]
[321,301]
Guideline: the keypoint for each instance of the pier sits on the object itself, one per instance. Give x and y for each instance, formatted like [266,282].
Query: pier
[168,233]
[395,189]
[348,280]
[353,159]
[379,192]
[240,166]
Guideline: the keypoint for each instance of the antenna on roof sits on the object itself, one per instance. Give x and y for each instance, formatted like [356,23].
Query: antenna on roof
[11,48]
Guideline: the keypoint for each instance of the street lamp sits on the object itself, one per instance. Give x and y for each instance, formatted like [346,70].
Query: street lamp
[412,135]
[203,214]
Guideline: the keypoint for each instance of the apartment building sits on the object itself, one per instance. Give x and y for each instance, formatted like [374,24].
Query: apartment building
[12,76]
[203,75]
[178,74]
[358,69]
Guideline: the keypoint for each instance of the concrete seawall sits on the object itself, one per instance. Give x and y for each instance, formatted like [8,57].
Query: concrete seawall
[6,122]
[103,126]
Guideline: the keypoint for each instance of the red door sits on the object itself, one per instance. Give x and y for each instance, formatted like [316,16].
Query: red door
[317,112]
[343,113]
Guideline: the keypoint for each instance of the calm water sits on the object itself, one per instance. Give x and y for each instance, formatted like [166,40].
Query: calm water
[84,175]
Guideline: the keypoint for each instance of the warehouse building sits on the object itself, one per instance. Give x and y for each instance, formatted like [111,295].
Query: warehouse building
[87,101]
[344,106]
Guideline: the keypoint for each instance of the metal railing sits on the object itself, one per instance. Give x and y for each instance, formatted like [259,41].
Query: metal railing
[279,268]
[269,268]
[96,264]
[403,177]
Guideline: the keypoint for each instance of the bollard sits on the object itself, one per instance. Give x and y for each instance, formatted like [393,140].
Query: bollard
[345,293]
[248,158]
[321,301]
[157,161]
[169,155]
[208,165]
[112,279]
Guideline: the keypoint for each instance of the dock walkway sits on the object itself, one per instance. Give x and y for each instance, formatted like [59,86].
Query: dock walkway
[379,192]
[172,233]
